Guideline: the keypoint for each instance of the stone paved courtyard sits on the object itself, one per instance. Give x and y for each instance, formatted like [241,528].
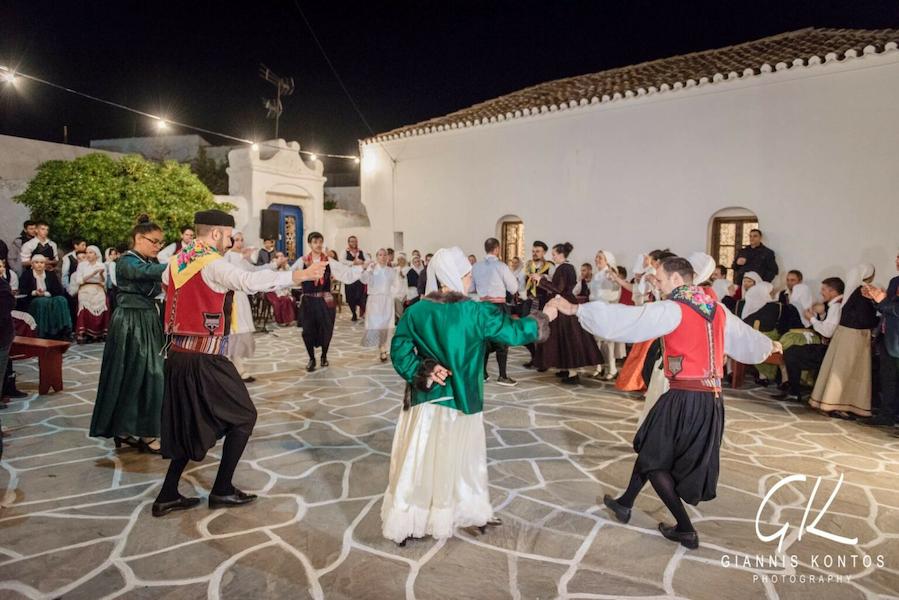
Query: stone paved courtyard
[76,521]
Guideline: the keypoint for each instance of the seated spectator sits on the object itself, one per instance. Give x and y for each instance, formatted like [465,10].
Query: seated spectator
[40,245]
[749,279]
[824,319]
[88,285]
[266,254]
[843,386]
[283,306]
[888,349]
[755,257]
[721,285]
[44,298]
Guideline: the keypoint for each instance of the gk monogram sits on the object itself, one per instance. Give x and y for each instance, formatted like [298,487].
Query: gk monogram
[812,528]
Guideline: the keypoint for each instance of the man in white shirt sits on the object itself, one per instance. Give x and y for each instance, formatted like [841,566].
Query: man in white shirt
[492,280]
[40,244]
[824,319]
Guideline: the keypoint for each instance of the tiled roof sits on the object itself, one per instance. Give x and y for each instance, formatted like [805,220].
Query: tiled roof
[805,47]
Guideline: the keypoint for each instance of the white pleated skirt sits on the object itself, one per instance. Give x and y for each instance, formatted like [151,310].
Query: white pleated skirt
[438,474]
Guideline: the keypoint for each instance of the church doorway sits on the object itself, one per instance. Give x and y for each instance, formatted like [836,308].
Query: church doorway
[729,233]
[511,237]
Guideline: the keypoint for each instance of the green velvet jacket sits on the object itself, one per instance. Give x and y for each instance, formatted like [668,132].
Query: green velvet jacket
[139,281]
[453,331]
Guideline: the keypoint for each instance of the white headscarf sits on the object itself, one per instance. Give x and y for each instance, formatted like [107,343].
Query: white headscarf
[753,276]
[96,251]
[449,266]
[756,297]
[856,276]
[801,298]
[610,260]
[638,265]
[703,266]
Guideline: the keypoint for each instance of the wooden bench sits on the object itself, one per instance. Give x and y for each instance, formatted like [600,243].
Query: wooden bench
[49,359]
[738,369]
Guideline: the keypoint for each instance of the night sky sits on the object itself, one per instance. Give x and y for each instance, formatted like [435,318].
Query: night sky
[402,62]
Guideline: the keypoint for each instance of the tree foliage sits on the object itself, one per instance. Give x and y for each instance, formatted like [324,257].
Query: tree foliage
[211,172]
[98,197]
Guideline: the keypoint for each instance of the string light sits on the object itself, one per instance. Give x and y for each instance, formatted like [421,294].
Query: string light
[161,123]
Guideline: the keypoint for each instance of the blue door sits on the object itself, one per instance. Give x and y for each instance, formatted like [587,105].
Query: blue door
[290,239]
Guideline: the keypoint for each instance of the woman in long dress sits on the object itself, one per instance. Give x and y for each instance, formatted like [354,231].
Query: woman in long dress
[383,287]
[843,385]
[438,463]
[128,407]
[88,285]
[569,347]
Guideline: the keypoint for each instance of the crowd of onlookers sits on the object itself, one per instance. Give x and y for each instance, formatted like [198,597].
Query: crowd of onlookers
[841,345]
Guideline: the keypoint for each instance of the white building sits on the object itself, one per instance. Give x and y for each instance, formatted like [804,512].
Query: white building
[797,132]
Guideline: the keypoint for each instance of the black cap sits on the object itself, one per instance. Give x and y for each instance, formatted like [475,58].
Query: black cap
[213,217]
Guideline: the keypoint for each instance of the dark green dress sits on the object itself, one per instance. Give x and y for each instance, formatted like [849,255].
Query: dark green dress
[129,395]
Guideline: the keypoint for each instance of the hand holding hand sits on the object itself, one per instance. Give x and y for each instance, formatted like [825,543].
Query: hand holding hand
[439,375]
[777,348]
[551,311]
[564,306]
[874,293]
[315,271]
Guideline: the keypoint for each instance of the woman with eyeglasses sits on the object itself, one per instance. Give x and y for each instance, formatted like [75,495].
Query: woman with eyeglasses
[128,407]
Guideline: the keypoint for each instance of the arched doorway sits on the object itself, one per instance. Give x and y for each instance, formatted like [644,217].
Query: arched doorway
[290,230]
[729,232]
[511,237]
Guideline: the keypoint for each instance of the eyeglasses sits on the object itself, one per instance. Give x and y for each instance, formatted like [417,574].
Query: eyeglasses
[155,242]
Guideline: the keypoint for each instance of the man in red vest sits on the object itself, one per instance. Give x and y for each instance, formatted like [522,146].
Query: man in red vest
[679,442]
[205,398]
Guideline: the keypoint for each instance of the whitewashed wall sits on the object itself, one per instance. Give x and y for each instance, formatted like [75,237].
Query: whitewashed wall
[275,173]
[812,151]
[19,160]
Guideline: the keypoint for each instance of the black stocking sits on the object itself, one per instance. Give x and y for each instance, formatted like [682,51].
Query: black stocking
[235,442]
[633,488]
[325,350]
[169,491]
[310,348]
[663,484]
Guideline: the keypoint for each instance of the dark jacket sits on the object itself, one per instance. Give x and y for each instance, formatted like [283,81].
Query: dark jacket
[27,284]
[761,260]
[7,304]
[889,310]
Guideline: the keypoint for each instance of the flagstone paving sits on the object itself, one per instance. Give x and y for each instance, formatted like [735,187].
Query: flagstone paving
[75,519]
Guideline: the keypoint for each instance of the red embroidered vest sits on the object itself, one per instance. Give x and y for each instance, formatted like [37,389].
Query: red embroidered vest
[694,352]
[197,318]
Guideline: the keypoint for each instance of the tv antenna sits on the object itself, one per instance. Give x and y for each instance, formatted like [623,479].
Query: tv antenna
[283,87]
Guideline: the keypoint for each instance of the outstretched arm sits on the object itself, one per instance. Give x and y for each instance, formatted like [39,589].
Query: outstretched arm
[743,343]
[620,323]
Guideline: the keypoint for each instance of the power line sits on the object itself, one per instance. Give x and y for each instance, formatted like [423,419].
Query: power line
[10,75]
[331,66]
